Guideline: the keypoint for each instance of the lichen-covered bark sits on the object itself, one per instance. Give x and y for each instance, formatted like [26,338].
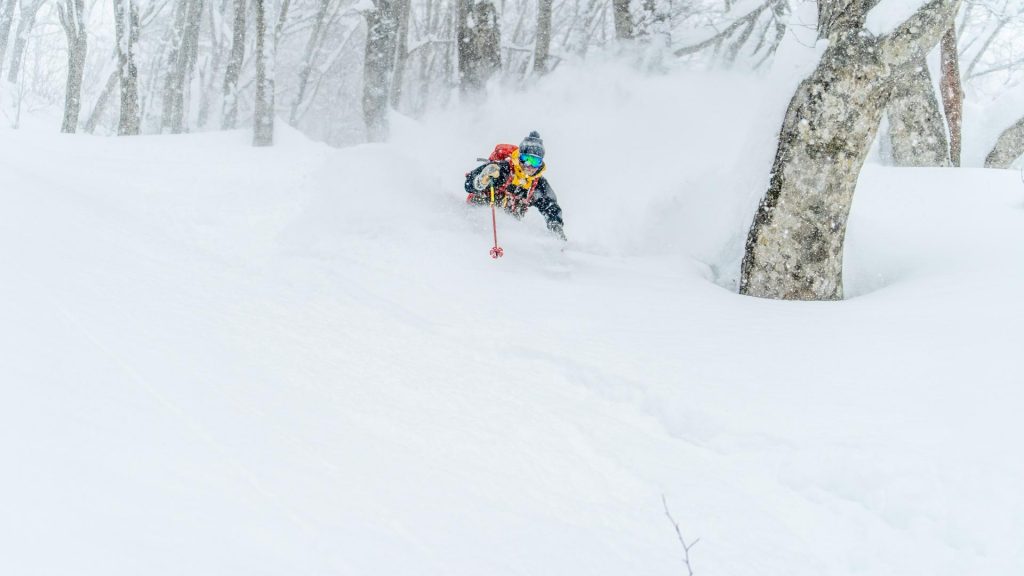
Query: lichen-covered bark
[1008,148]
[795,246]
[916,127]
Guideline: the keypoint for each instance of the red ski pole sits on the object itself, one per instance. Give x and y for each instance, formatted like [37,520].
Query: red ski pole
[496,252]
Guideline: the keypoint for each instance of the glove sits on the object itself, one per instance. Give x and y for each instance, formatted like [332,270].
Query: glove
[556,228]
[483,180]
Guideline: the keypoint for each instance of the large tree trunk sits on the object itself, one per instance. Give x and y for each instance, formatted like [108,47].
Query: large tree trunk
[234,68]
[1008,148]
[479,45]
[73,20]
[6,20]
[795,246]
[26,21]
[378,67]
[543,48]
[916,127]
[126,28]
[263,119]
[952,93]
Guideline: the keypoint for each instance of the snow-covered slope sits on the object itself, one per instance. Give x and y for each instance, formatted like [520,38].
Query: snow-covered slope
[300,360]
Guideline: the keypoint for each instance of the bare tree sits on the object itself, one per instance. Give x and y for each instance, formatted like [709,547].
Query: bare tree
[73,20]
[479,45]
[543,47]
[26,20]
[234,68]
[126,28]
[1008,148]
[263,119]
[759,29]
[952,93]
[180,63]
[623,20]
[404,8]
[378,67]
[795,245]
[102,101]
[6,20]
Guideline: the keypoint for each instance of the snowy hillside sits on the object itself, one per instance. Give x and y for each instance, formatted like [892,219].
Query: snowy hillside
[222,360]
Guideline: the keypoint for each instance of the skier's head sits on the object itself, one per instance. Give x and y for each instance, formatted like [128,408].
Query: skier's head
[531,153]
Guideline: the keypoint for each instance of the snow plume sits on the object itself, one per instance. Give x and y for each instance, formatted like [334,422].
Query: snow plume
[226,360]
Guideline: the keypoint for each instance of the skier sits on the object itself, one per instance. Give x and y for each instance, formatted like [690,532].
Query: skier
[515,176]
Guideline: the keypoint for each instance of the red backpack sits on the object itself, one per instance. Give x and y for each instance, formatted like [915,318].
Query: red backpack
[502,152]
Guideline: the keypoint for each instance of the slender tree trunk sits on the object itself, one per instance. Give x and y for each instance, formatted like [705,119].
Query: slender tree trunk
[543,48]
[1008,148]
[6,20]
[263,120]
[102,101]
[181,63]
[234,69]
[795,246]
[126,28]
[212,71]
[401,52]
[478,44]
[952,93]
[172,100]
[378,67]
[916,127]
[73,20]
[306,67]
[25,23]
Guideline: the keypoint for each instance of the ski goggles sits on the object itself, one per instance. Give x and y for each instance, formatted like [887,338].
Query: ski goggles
[531,160]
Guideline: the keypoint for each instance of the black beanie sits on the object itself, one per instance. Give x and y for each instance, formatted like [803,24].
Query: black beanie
[532,144]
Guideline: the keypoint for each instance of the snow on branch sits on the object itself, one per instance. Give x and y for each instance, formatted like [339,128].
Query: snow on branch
[740,31]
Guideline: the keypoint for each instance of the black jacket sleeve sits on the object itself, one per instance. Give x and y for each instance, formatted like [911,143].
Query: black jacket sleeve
[547,203]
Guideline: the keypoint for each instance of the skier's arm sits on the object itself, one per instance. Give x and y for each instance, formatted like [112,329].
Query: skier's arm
[547,203]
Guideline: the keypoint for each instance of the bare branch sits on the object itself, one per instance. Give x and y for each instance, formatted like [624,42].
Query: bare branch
[682,541]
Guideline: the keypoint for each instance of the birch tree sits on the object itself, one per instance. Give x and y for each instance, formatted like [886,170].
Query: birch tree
[623,20]
[543,44]
[126,28]
[72,19]
[26,20]
[263,119]
[234,67]
[479,45]
[795,245]
[6,21]
[379,66]
[180,64]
